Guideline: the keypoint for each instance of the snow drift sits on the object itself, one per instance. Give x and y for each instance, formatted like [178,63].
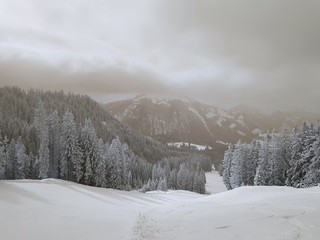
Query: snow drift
[56,209]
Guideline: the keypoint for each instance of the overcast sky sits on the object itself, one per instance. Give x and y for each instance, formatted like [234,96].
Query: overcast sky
[263,53]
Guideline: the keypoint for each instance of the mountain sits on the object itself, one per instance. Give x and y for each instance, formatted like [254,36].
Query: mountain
[171,119]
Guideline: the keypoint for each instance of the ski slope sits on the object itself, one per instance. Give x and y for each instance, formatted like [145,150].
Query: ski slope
[56,209]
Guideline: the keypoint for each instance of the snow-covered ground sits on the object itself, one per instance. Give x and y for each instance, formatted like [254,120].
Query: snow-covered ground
[214,183]
[180,144]
[56,209]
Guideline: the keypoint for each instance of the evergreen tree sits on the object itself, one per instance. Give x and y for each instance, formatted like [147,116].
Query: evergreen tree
[11,160]
[44,154]
[227,161]
[182,177]
[162,186]
[306,154]
[22,170]
[296,154]
[90,152]
[280,158]
[41,124]
[71,159]
[100,176]
[237,170]
[116,171]
[263,173]
[251,162]
[2,157]
[312,177]
[173,179]
[54,144]
[34,167]
[199,180]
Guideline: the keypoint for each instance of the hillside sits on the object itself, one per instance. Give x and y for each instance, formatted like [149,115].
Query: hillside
[17,114]
[36,210]
[185,120]
[71,137]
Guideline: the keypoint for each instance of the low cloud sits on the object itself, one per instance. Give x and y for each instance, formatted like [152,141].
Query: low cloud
[222,52]
[33,74]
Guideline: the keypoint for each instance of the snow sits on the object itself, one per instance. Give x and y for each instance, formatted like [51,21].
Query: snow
[241,122]
[223,143]
[214,183]
[161,99]
[114,97]
[56,209]
[210,115]
[200,117]
[232,125]
[224,113]
[180,144]
[220,121]
[241,133]
[256,131]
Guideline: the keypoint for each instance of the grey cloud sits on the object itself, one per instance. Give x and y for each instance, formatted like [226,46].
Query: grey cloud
[261,52]
[34,74]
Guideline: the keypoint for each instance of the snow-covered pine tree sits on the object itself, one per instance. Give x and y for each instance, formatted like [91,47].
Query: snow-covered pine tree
[54,144]
[226,163]
[199,180]
[2,157]
[162,185]
[34,166]
[295,153]
[44,154]
[71,156]
[182,177]
[41,124]
[263,173]
[116,165]
[90,152]
[312,177]
[157,175]
[280,157]
[237,171]
[11,160]
[301,165]
[22,170]
[251,162]
[173,179]
[100,171]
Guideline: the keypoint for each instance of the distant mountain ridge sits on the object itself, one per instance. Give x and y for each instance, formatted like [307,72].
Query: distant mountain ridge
[182,119]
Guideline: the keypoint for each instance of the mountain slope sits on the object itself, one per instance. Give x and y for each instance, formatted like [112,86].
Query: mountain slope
[186,120]
[17,114]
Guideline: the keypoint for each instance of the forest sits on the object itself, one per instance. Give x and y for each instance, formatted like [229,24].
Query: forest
[70,137]
[290,158]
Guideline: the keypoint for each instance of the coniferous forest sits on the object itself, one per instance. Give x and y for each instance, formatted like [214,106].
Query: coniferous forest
[285,159]
[70,137]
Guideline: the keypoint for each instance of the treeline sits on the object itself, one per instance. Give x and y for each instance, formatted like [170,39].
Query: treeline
[178,173]
[59,147]
[285,159]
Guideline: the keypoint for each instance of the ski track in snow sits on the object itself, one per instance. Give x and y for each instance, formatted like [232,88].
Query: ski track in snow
[145,228]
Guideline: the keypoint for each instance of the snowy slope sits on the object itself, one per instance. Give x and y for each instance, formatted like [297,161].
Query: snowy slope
[55,209]
[181,144]
[248,213]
